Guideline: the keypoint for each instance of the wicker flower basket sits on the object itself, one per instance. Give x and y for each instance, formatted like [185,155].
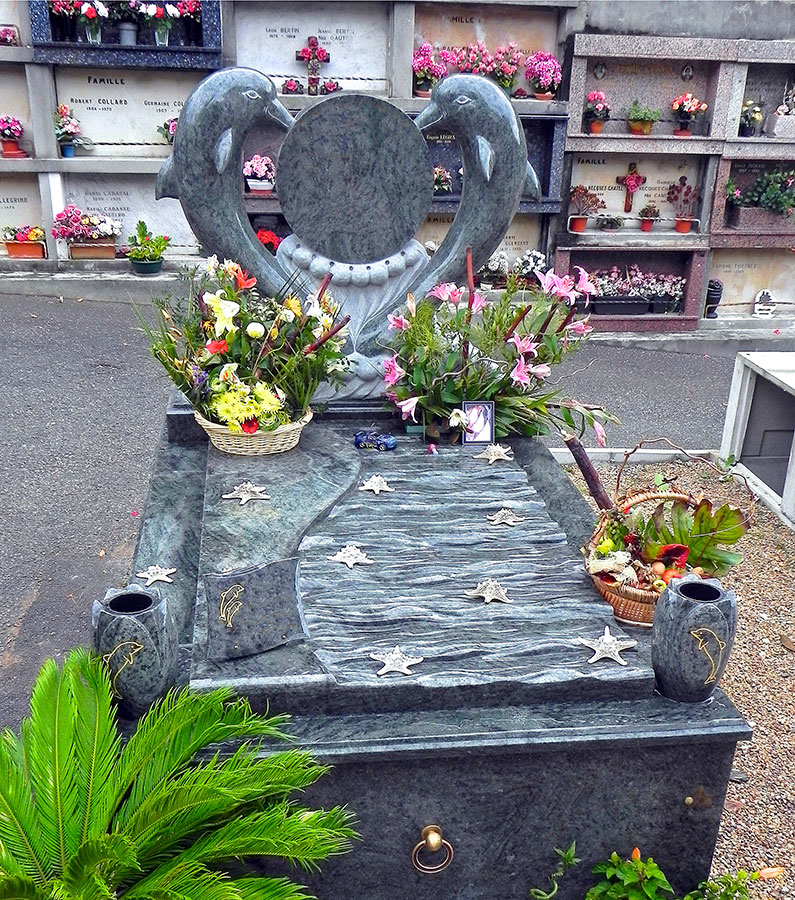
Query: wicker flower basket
[261,443]
[631,605]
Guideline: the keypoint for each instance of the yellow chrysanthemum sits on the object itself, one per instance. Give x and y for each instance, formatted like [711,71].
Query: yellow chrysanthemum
[294,305]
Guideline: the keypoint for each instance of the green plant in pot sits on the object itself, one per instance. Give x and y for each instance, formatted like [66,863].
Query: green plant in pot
[145,250]
[641,119]
[610,223]
[163,815]
[648,216]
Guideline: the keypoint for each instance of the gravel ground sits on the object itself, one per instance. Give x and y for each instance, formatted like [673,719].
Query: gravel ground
[758,823]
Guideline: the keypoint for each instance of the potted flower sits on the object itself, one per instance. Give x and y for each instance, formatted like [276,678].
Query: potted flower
[542,70]
[783,122]
[9,36]
[648,216]
[428,69]
[442,180]
[450,347]
[92,15]
[90,235]
[750,118]
[168,129]
[249,364]
[63,19]
[641,119]
[766,206]
[145,250]
[67,132]
[25,241]
[683,197]
[474,59]
[687,108]
[507,61]
[609,223]
[495,271]
[190,13]
[585,203]
[11,131]
[127,14]
[161,17]
[631,291]
[597,112]
[526,266]
[292,86]
[269,239]
[330,86]
[260,175]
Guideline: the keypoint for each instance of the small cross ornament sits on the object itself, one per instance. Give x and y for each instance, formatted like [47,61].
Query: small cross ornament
[313,55]
[245,492]
[631,181]
[494,452]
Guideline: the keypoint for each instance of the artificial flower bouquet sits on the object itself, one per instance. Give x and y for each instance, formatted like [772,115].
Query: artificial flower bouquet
[474,59]
[76,226]
[126,10]
[260,168]
[507,61]
[450,347]
[23,233]
[190,9]
[526,265]
[11,128]
[495,269]
[9,36]
[427,68]
[686,108]
[597,107]
[543,72]
[67,128]
[168,129]
[442,180]
[269,239]
[245,362]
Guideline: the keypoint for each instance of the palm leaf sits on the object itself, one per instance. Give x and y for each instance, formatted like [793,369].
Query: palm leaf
[185,881]
[20,839]
[21,888]
[211,794]
[172,732]
[96,863]
[48,741]
[96,743]
[270,889]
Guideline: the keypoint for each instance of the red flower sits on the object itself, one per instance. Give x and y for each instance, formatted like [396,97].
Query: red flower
[242,279]
[250,426]
[159,12]
[91,13]
[321,54]
[268,239]
[306,53]
[217,346]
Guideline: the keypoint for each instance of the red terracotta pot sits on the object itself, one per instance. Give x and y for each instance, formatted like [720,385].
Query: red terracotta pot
[9,145]
[92,250]
[646,224]
[683,226]
[683,132]
[595,126]
[25,249]
[578,223]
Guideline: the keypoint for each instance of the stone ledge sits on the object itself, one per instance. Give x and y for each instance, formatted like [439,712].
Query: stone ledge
[626,143]
[630,46]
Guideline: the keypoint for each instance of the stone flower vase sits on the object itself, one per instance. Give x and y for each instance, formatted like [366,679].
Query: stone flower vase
[692,635]
[128,34]
[135,633]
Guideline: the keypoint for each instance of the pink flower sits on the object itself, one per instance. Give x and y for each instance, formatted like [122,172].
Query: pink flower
[447,292]
[579,329]
[525,344]
[392,371]
[564,288]
[541,371]
[601,437]
[547,281]
[398,322]
[432,451]
[407,407]
[521,373]
[478,302]
[584,286]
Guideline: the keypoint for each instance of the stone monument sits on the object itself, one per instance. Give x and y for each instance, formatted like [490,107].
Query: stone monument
[425,618]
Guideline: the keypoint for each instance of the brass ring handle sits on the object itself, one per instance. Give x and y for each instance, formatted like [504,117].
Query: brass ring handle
[432,841]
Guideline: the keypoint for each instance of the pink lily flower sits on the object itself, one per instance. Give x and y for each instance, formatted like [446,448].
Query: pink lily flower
[392,371]
[447,292]
[584,286]
[601,436]
[478,302]
[399,323]
[580,328]
[521,373]
[564,288]
[408,407]
[411,305]
[525,344]
[547,281]
[541,371]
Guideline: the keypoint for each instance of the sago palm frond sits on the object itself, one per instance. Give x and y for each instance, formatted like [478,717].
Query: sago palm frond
[270,889]
[104,857]
[48,740]
[96,744]
[171,733]
[189,880]
[19,887]
[21,851]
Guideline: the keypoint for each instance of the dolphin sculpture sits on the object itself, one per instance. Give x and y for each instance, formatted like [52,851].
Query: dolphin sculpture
[204,170]
[496,172]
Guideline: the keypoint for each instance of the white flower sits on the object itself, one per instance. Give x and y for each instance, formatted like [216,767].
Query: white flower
[285,315]
[255,330]
[211,264]
[101,8]
[151,9]
[229,267]
[458,419]
[172,11]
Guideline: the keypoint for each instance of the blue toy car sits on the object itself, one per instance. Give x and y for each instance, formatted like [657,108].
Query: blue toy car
[371,440]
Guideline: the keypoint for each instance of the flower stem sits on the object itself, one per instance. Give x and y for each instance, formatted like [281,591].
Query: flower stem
[327,335]
[471,286]
[595,486]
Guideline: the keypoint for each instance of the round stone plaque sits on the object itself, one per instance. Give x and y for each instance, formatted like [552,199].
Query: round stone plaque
[354,178]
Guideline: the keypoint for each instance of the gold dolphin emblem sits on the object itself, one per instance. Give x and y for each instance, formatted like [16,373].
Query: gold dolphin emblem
[125,651]
[230,604]
[702,636]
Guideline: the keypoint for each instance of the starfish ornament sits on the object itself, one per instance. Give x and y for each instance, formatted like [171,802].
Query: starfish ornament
[350,555]
[396,660]
[489,590]
[505,517]
[156,573]
[376,484]
[494,452]
[247,491]
[607,646]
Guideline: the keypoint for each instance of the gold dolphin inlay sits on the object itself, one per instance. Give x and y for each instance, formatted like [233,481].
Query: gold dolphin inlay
[230,604]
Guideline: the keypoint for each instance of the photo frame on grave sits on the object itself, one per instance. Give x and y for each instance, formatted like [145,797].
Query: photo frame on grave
[480,421]
[253,610]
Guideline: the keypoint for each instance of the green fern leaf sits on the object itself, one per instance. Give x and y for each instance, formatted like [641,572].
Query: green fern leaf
[21,851]
[186,881]
[101,859]
[96,743]
[270,889]
[48,741]
[21,888]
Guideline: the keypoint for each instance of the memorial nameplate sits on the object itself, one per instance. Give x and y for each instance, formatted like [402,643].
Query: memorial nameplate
[120,110]
[129,198]
[746,272]
[451,25]
[354,34]
[20,202]
[523,233]
[598,172]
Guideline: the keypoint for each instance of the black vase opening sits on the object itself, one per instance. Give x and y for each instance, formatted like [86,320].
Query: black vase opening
[130,603]
[701,591]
